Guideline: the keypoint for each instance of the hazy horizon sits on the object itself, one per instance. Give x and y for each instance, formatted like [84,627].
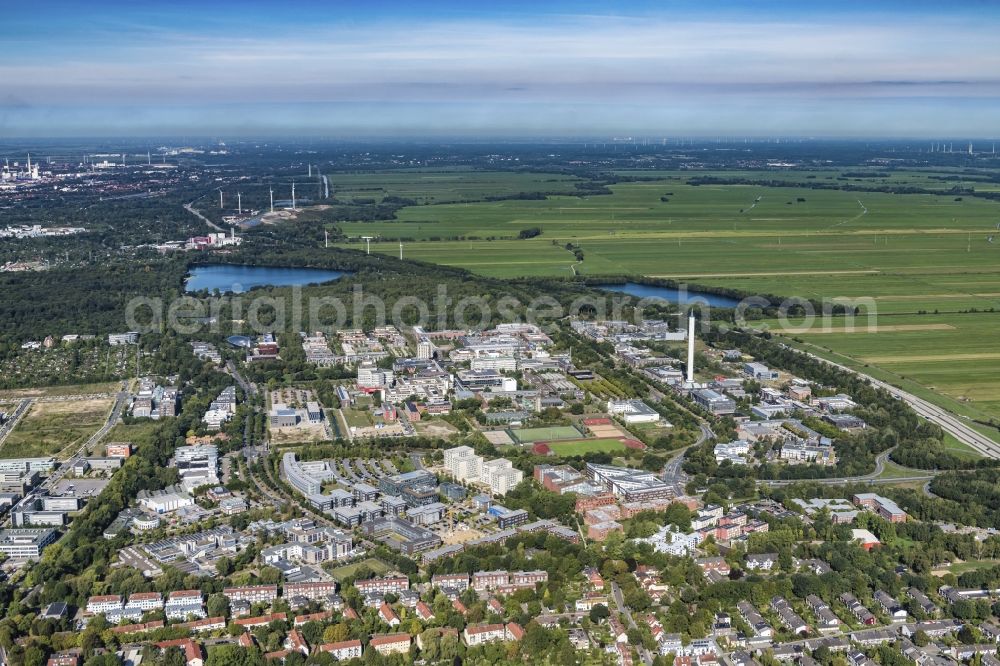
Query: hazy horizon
[584,69]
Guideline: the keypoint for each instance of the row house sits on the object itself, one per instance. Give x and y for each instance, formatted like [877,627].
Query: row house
[750,615]
[761,561]
[179,612]
[207,624]
[183,598]
[315,591]
[146,600]
[384,585]
[457,581]
[890,606]
[139,628]
[343,650]
[860,613]
[252,593]
[922,600]
[312,617]
[104,603]
[825,616]
[484,633]
[390,644]
[788,617]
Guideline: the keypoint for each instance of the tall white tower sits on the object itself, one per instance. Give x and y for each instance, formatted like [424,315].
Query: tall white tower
[690,359]
[293,195]
[271,190]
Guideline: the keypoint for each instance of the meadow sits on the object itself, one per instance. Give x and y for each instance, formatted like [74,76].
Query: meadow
[54,428]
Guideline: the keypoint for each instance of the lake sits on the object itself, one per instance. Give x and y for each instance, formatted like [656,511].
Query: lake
[670,294]
[231,278]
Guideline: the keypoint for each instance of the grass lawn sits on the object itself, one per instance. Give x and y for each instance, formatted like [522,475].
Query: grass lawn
[894,471]
[347,570]
[580,447]
[356,418]
[959,568]
[136,432]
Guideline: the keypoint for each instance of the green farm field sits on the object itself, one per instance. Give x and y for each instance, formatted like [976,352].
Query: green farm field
[926,264]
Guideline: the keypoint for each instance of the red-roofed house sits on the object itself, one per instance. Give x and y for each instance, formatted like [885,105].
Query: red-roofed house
[424,611]
[388,615]
[484,633]
[343,650]
[296,642]
[390,643]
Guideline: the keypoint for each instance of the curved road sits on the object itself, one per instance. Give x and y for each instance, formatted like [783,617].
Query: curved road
[870,478]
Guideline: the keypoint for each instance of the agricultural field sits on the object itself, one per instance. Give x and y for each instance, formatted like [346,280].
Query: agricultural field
[56,428]
[927,265]
[954,356]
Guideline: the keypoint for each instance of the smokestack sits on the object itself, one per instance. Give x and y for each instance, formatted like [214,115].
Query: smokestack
[690,362]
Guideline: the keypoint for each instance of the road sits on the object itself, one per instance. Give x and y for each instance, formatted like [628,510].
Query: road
[673,474]
[189,207]
[616,594]
[950,423]
[870,478]
[14,418]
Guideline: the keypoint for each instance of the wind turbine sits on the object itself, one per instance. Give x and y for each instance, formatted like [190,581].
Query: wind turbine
[368,243]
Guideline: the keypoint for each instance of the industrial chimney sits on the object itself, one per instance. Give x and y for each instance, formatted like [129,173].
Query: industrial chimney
[690,361]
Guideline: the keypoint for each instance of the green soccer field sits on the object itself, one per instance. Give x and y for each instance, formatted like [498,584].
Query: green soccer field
[530,435]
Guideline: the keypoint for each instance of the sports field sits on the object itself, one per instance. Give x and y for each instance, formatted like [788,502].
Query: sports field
[579,447]
[529,435]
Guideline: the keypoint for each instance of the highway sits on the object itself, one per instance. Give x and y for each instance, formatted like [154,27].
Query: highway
[950,423]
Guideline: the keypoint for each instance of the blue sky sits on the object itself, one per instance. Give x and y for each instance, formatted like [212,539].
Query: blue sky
[383,68]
